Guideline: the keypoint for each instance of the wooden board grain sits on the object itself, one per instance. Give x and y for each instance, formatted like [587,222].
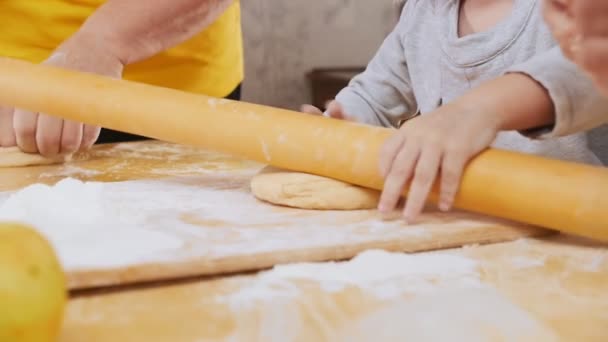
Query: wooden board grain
[553,290]
[202,199]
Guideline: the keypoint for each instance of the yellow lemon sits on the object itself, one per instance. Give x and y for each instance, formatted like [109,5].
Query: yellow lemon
[33,290]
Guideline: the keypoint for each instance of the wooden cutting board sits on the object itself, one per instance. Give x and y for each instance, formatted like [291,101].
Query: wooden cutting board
[201,201]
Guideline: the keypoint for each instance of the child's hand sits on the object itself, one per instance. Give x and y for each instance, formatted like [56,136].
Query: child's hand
[439,142]
[334,110]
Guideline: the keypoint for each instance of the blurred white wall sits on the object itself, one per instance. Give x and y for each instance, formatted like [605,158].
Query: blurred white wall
[285,39]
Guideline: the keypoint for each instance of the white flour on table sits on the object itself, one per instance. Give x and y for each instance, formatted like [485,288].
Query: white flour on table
[418,297]
[382,274]
[84,229]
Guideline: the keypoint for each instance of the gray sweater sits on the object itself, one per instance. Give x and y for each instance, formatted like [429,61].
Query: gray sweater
[423,64]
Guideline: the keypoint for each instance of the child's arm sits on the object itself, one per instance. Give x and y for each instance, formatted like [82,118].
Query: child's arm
[545,97]
[578,104]
[381,95]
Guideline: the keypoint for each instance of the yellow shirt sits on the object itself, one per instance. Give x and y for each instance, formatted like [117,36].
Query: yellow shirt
[210,63]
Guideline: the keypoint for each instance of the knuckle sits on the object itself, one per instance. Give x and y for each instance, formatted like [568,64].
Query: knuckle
[435,140]
[386,150]
[422,176]
[24,130]
[455,149]
[401,168]
[449,177]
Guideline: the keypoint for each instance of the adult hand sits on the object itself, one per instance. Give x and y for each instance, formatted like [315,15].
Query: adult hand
[581,27]
[558,15]
[591,20]
[49,135]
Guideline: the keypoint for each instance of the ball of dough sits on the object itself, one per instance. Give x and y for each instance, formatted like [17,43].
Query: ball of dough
[306,191]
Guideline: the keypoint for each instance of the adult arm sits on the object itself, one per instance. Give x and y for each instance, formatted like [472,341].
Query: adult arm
[119,33]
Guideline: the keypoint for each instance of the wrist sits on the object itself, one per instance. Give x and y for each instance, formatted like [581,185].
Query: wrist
[88,52]
[511,102]
[479,112]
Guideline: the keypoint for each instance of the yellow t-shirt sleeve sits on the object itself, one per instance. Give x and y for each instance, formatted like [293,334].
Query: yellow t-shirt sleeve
[210,63]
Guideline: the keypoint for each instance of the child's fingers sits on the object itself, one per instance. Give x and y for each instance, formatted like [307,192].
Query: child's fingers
[399,174]
[334,109]
[424,177]
[389,151]
[451,173]
[309,109]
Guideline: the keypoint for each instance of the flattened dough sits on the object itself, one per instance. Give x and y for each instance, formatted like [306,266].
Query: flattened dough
[306,191]
[13,157]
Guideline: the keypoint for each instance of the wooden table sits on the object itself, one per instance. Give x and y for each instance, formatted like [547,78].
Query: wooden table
[554,288]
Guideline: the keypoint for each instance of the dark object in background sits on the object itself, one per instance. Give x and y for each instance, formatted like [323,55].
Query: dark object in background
[327,82]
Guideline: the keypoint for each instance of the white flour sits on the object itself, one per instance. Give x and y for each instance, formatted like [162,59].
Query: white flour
[100,225]
[472,315]
[418,297]
[70,171]
[382,274]
[84,229]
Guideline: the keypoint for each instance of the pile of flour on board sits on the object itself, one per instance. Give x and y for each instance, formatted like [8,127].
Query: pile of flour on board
[84,229]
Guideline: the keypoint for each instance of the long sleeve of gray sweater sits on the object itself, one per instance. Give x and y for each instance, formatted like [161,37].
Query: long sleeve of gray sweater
[423,63]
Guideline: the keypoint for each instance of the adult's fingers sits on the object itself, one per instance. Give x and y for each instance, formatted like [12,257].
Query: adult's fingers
[25,125]
[71,137]
[48,135]
[399,174]
[593,54]
[7,132]
[591,17]
[424,177]
[89,136]
[557,15]
[592,57]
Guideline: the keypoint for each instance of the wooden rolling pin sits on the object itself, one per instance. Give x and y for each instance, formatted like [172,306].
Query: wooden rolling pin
[564,196]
